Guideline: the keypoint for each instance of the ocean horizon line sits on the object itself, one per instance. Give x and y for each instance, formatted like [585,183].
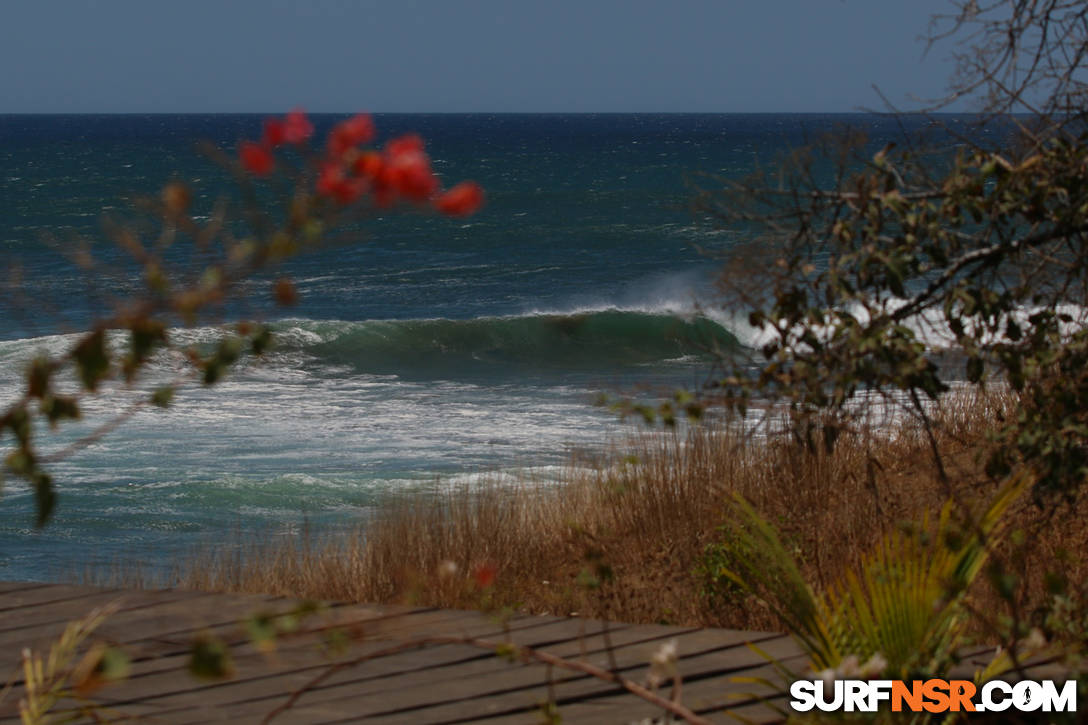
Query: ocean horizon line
[861,113]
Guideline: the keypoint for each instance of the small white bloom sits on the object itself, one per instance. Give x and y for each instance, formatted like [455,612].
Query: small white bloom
[848,669]
[663,663]
[1035,640]
[447,569]
[666,653]
[874,666]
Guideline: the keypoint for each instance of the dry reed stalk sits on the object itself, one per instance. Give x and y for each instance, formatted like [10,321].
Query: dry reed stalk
[623,540]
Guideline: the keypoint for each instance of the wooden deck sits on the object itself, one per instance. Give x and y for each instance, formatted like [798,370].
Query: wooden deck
[392,678]
[385,674]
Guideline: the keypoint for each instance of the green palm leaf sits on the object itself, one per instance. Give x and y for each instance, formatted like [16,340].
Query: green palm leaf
[904,607]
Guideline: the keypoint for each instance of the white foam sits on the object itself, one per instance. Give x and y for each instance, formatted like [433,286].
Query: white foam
[929,326]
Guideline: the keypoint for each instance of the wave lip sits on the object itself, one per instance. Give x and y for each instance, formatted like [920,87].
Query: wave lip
[597,340]
[582,340]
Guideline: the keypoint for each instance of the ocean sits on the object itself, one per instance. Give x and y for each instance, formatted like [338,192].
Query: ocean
[429,351]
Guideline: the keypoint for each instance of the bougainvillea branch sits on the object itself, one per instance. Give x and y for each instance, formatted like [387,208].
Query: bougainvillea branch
[338,183]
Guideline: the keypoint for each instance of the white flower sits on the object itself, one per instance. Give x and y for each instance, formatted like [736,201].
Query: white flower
[848,669]
[873,667]
[447,569]
[1035,640]
[663,663]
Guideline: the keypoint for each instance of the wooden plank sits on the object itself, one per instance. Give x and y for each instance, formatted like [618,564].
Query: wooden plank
[594,643]
[527,693]
[154,614]
[50,620]
[441,623]
[724,694]
[535,630]
[143,613]
[577,688]
[432,668]
[68,609]
[165,678]
[10,587]
[413,661]
[486,663]
[56,618]
[257,674]
[435,683]
[631,710]
[47,595]
[175,678]
[382,625]
[165,653]
[171,619]
[480,694]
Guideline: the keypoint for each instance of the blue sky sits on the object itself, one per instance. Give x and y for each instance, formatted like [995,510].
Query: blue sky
[465,55]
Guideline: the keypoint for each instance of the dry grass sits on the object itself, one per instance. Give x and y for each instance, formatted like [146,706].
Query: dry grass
[644,518]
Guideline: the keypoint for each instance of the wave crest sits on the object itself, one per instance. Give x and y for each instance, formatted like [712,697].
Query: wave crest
[603,339]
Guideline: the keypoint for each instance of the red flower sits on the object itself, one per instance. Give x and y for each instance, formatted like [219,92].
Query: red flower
[330,175]
[332,181]
[461,200]
[256,158]
[383,196]
[413,178]
[350,190]
[275,132]
[296,127]
[408,143]
[350,133]
[368,164]
[484,575]
[407,169]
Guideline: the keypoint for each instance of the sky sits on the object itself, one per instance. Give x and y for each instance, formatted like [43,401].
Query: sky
[171,56]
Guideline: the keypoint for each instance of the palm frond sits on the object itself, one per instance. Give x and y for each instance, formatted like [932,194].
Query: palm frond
[902,609]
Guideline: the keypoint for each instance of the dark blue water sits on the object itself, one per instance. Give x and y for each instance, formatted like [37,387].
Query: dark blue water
[424,349]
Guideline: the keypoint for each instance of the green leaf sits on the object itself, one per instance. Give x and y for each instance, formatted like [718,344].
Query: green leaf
[209,659]
[336,641]
[261,341]
[261,628]
[100,666]
[226,354]
[57,408]
[114,665]
[20,462]
[587,579]
[146,335]
[38,377]
[230,348]
[163,397]
[213,370]
[975,368]
[92,359]
[895,278]
[45,499]
[18,420]
[507,651]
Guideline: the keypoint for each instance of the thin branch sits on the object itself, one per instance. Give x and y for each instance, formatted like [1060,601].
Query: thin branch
[974,257]
[524,653]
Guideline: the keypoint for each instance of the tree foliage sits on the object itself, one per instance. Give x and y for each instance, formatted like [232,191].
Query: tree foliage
[862,264]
